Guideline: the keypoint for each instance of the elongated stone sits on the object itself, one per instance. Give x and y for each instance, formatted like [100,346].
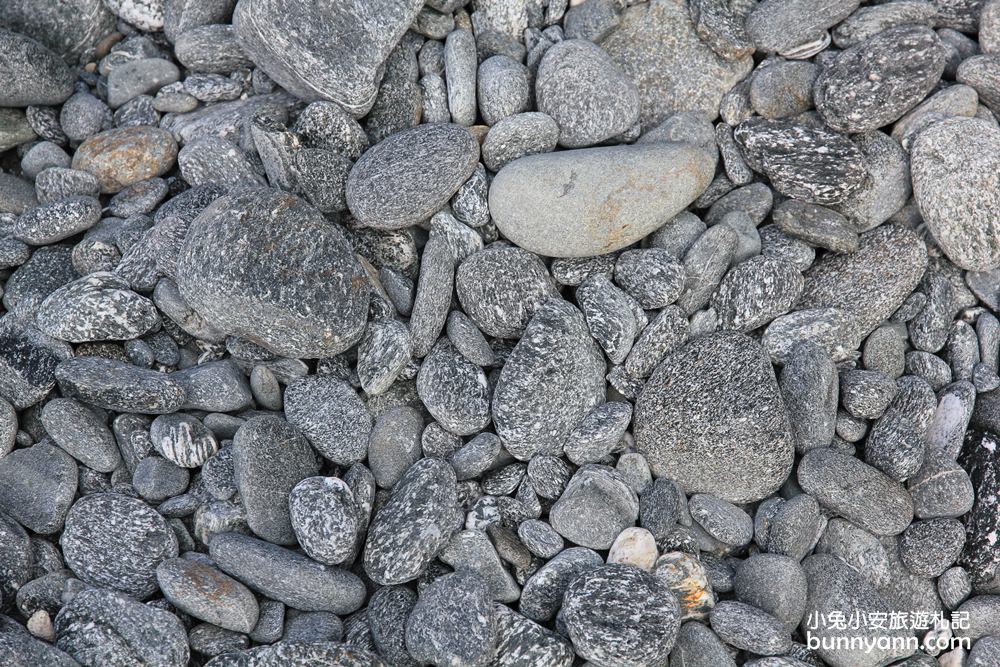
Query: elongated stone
[596,200]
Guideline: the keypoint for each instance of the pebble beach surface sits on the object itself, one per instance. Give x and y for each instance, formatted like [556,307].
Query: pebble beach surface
[499,333]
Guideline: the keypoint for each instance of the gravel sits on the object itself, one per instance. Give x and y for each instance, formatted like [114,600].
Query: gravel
[499,333]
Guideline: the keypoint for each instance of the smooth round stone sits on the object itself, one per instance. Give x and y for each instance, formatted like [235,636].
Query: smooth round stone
[874,83]
[182,439]
[410,175]
[782,25]
[887,188]
[712,418]
[82,433]
[503,88]
[120,157]
[855,490]
[30,74]
[521,641]
[552,379]
[950,163]
[98,307]
[756,291]
[928,548]
[210,48]
[41,156]
[326,518]
[501,287]
[595,508]
[414,525]
[634,546]
[596,200]
[453,622]
[586,93]
[618,615]
[722,520]
[157,479]
[775,584]
[117,541]
[288,280]
[328,50]
[204,592]
[37,486]
[116,385]
[286,576]
[100,626]
[139,77]
[454,390]
[269,458]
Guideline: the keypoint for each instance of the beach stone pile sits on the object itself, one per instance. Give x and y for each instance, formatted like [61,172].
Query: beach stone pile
[499,333]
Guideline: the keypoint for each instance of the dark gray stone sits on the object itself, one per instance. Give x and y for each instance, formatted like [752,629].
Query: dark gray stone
[116,541]
[331,415]
[32,74]
[687,414]
[331,51]
[81,433]
[749,628]
[37,486]
[313,307]
[287,576]
[414,524]
[204,592]
[532,416]
[595,507]
[118,386]
[619,614]
[453,622]
[270,457]
[422,167]
[326,518]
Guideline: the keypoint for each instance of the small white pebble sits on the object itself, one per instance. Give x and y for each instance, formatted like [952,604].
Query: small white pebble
[634,546]
[40,625]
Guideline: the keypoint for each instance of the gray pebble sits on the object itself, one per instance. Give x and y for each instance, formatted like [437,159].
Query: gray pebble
[722,520]
[687,430]
[116,541]
[519,135]
[749,628]
[453,622]
[460,65]
[331,415]
[206,593]
[156,479]
[595,507]
[118,386]
[286,576]
[326,519]
[897,440]
[37,486]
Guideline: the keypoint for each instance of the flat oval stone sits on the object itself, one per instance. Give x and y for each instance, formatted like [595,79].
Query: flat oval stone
[327,50]
[326,518]
[116,385]
[126,155]
[414,525]
[593,201]
[453,622]
[116,541]
[286,576]
[874,83]
[82,433]
[712,419]
[951,166]
[30,74]
[870,284]
[204,592]
[857,491]
[553,378]
[269,458]
[407,177]
[57,220]
[99,306]
[288,279]
[182,439]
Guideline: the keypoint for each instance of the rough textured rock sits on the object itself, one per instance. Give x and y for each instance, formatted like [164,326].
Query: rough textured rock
[453,622]
[611,196]
[116,541]
[619,615]
[324,51]
[414,525]
[552,379]
[691,427]
[658,46]
[950,161]
[331,415]
[32,74]
[410,175]
[874,83]
[313,306]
